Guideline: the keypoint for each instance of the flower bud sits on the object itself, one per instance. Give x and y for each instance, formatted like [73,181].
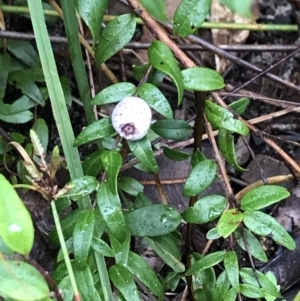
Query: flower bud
[131,118]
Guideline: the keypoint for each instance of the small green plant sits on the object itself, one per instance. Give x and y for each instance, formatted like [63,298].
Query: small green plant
[104,222]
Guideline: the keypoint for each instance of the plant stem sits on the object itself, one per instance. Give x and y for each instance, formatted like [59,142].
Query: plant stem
[208,25]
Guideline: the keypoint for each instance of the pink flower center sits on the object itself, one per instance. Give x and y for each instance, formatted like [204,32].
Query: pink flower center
[128,129]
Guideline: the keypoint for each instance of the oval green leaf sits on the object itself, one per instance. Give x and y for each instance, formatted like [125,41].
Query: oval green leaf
[16,228]
[263,224]
[114,37]
[130,185]
[222,286]
[18,277]
[213,234]
[162,58]
[155,99]
[92,164]
[114,93]
[83,234]
[263,196]
[200,177]
[202,79]
[153,220]
[229,221]
[205,210]
[101,247]
[240,105]
[232,269]
[96,130]
[189,16]
[174,129]
[175,155]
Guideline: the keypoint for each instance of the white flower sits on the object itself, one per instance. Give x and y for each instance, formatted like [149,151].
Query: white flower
[131,118]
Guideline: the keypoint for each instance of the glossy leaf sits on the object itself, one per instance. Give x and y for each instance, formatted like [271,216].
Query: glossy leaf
[254,245]
[263,224]
[231,295]
[114,93]
[161,58]
[101,247]
[189,16]
[263,196]
[110,208]
[112,162]
[174,129]
[92,13]
[114,37]
[18,277]
[229,221]
[157,8]
[120,249]
[213,234]
[141,201]
[16,228]
[82,187]
[222,118]
[226,144]
[123,281]
[245,10]
[83,234]
[140,268]
[240,105]
[222,286]
[85,282]
[41,130]
[207,261]
[200,177]
[205,210]
[166,255]
[130,185]
[143,151]
[153,220]
[250,291]
[5,64]
[197,157]
[155,77]
[155,99]
[232,269]
[17,118]
[202,79]
[175,154]
[92,164]
[96,130]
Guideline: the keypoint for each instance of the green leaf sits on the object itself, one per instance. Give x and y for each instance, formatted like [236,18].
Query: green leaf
[41,130]
[85,282]
[202,79]
[263,196]
[175,155]
[222,118]
[213,234]
[254,245]
[18,277]
[250,291]
[120,249]
[92,13]
[232,269]
[155,99]
[112,162]
[226,144]
[200,177]
[83,234]
[114,93]
[101,247]
[123,281]
[161,58]
[245,10]
[197,157]
[65,84]
[92,164]
[96,130]
[267,286]
[174,129]
[130,185]
[140,268]
[156,8]
[5,64]
[22,104]
[222,286]
[16,228]
[114,37]
[110,208]
[231,295]
[141,201]
[207,261]
[205,210]
[143,151]
[153,220]
[229,221]
[82,187]
[189,16]
[263,224]
[17,118]
[165,254]
[240,105]
[155,77]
